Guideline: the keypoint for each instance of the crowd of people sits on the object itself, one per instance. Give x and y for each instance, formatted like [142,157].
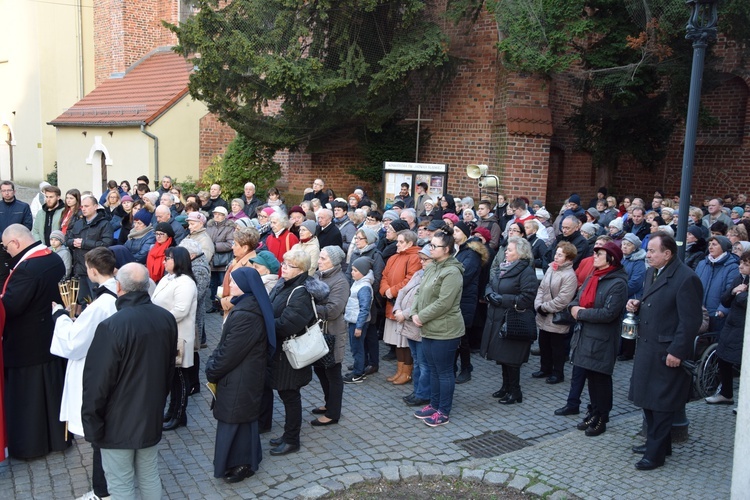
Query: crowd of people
[436,279]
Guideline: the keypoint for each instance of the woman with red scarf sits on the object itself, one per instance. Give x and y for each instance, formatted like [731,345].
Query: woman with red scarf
[596,336]
[164,235]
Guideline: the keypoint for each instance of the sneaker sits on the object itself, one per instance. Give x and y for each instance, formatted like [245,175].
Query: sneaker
[718,399]
[436,419]
[425,412]
[354,379]
[89,496]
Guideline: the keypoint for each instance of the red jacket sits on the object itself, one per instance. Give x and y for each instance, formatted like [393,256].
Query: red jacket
[281,244]
[397,273]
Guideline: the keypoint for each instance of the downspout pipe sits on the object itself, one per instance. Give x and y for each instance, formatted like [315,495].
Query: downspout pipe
[156,151]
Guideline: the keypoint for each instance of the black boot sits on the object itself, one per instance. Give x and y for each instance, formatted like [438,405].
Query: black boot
[504,389]
[514,384]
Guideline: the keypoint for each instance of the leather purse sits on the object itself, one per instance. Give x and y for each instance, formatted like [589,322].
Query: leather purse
[305,349]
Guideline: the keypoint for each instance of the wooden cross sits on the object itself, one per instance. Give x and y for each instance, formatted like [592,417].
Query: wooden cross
[419,121]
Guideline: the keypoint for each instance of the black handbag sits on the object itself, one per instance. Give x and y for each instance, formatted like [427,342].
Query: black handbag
[563,318]
[329,359]
[519,324]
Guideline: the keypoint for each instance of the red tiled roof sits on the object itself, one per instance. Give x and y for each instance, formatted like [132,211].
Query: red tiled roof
[526,120]
[148,89]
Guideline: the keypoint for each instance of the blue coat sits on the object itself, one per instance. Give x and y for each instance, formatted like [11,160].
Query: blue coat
[731,337]
[15,212]
[471,255]
[140,247]
[717,278]
[635,265]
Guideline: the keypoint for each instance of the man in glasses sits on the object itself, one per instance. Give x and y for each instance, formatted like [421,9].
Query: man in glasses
[33,377]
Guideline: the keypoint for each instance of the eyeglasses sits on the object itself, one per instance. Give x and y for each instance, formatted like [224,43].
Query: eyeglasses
[360,238]
[159,233]
[514,230]
[289,266]
[7,190]
[168,258]
[433,247]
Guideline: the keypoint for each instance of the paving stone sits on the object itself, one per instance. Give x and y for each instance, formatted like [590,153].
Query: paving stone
[332,484]
[519,482]
[496,478]
[408,472]
[316,491]
[452,471]
[390,473]
[539,489]
[429,471]
[472,475]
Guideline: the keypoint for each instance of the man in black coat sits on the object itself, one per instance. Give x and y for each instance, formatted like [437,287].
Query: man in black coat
[251,201]
[571,233]
[328,233]
[126,379]
[319,192]
[90,231]
[33,377]
[670,318]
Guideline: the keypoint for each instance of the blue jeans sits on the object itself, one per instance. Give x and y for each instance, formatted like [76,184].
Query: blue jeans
[358,349]
[421,374]
[122,466]
[440,355]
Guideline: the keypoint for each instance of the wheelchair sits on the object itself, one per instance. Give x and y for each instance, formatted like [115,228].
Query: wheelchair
[706,376]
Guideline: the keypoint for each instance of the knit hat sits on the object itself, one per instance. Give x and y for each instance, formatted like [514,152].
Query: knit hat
[335,253]
[370,235]
[239,202]
[125,198]
[452,217]
[594,213]
[616,223]
[166,228]
[574,198]
[428,201]
[310,225]
[589,228]
[355,196]
[390,214]
[723,241]
[632,238]
[542,214]
[399,225]
[740,211]
[464,228]
[537,202]
[267,260]
[297,209]
[484,232]
[268,211]
[363,265]
[435,225]
[399,204]
[197,216]
[58,235]
[613,249]
[144,216]
[243,222]
[220,210]
[696,231]
[468,201]
[426,251]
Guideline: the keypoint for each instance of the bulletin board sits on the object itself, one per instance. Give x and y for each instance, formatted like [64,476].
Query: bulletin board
[396,173]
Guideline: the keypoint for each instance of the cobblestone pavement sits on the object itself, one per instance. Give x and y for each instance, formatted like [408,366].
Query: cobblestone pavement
[378,438]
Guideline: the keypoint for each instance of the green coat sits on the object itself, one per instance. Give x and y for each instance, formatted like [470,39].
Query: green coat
[438,300]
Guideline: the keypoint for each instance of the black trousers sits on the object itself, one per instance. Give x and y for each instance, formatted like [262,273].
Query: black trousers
[552,350]
[292,400]
[265,419]
[658,434]
[600,393]
[726,376]
[464,352]
[178,397]
[99,482]
[332,384]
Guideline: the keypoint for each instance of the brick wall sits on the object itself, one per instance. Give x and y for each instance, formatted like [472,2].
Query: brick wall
[125,31]
[214,139]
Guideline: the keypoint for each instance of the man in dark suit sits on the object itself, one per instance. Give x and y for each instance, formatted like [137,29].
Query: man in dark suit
[328,233]
[33,377]
[670,318]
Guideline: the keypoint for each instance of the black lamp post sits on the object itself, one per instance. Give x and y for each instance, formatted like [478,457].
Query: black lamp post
[701,29]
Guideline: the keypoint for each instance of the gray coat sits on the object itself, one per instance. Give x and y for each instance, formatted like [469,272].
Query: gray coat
[332,309]
[596,337]
[670,317]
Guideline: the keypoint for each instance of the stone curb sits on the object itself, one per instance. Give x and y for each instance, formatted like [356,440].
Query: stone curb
[394,474]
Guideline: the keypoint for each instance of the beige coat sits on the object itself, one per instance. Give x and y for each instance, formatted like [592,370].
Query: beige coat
[311,248]
[179,295]
[563,285]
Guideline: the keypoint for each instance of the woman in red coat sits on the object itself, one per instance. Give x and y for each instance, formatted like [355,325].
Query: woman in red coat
[397,273]
[281,240]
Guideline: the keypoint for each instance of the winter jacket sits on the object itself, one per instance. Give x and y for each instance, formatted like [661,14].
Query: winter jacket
[404,303]
[331,310]
[46,221]
[717,278]
[472,255]
[438,300]
[556,291]
[281,244]
[357,309]
[398,271]
[293,310]
[596,337]
[695,253]
[578,241]
[539,251]
[311,248]
[733,333]
[496,231]
[635,267]
[94,233]
[67,259]
[518,286]
[205,241]
[378,265]
[330,235]
[347,230]
[128,372]
[238,364]
[15,212]
[139,246]
[251,206]
[179,296]
[222,234]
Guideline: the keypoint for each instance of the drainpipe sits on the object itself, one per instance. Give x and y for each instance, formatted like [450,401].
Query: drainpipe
[79,33]
[156,151]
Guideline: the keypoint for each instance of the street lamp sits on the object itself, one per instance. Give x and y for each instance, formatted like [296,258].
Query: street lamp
[701,29]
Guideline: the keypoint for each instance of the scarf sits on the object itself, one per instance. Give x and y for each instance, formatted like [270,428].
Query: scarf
[714,260]
[250,282]
[588,295]
[155,259]
[132,235]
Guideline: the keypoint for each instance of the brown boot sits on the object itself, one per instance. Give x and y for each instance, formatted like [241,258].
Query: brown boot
[398,372]
[405,375]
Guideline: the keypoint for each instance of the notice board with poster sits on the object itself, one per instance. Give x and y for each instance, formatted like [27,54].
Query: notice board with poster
[396,173]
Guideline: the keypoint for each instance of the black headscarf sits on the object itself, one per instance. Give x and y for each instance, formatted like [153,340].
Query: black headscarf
[248,280]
